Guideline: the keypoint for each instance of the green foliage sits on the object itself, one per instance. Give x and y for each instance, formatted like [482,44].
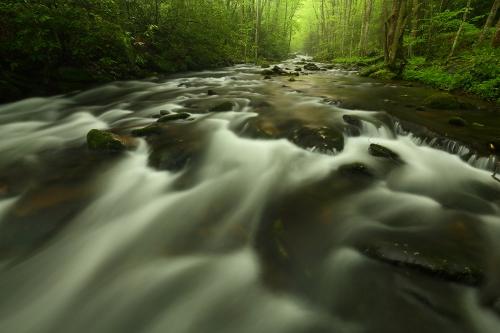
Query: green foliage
[477,71]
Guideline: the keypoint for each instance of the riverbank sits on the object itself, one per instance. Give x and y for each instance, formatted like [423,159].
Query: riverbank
[475,72]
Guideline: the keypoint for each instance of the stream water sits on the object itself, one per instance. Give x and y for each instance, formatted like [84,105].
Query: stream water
[272,216]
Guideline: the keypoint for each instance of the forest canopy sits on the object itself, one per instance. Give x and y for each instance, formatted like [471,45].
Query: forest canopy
[57,45]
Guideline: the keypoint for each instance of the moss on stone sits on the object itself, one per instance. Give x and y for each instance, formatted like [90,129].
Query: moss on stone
[104,141]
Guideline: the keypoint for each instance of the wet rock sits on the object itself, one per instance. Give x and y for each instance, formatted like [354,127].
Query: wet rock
[174,116]
[292,79]
[311,67]
[278,70]
[381,151]
[322,138]
[147,131]
[352,120]
[457,121]
[494,146]
[211,92]
[444,261]
[298,69]
[267,77]
[105,141]
[223,107]
[265,66]
[442,101]
[267,72]
[164,112]
[355,169]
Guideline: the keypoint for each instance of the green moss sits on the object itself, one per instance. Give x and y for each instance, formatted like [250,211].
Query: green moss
[383,74]
[442,101]
[104,141]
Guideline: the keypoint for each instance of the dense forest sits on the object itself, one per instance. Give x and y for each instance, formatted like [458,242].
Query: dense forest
[447,44]
[61,43]
[58,45]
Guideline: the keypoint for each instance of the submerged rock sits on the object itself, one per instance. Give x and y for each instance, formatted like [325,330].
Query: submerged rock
[381,151]
[105,141]
[147,131]
[223,107]
[355,169]
[442,101]
[457,121]
[211,92]
[174,116]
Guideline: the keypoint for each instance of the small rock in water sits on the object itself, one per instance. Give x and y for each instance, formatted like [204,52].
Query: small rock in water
[223,107]
[311,67]
[267,77]
[174,116]
[164,112]
[105,141]
[381,151]
[457,121]
[292,79]
[211,92]
[355,169]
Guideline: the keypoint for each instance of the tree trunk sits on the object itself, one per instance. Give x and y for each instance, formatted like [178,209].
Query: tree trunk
[395,26]
[457,37]
[496,38]
[490,20]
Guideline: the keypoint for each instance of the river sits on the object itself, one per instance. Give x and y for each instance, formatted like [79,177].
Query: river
[294,206]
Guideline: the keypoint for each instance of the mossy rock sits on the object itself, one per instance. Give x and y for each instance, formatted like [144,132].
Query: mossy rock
[367,71]
[174,116]
[442,101]
[457,121]
[104,141]
[223,107]
[323,139]
[383,74]
[311,67]
[147,131]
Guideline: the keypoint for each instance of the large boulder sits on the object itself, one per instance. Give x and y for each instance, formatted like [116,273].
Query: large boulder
[105,141]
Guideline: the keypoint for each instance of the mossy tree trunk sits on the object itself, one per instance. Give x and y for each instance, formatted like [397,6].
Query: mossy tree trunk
[394,31]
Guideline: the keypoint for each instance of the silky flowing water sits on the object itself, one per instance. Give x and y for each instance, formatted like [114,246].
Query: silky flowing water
[248,220]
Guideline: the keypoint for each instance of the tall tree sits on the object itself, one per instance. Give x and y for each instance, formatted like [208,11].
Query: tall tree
[490,19]
[461,27]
